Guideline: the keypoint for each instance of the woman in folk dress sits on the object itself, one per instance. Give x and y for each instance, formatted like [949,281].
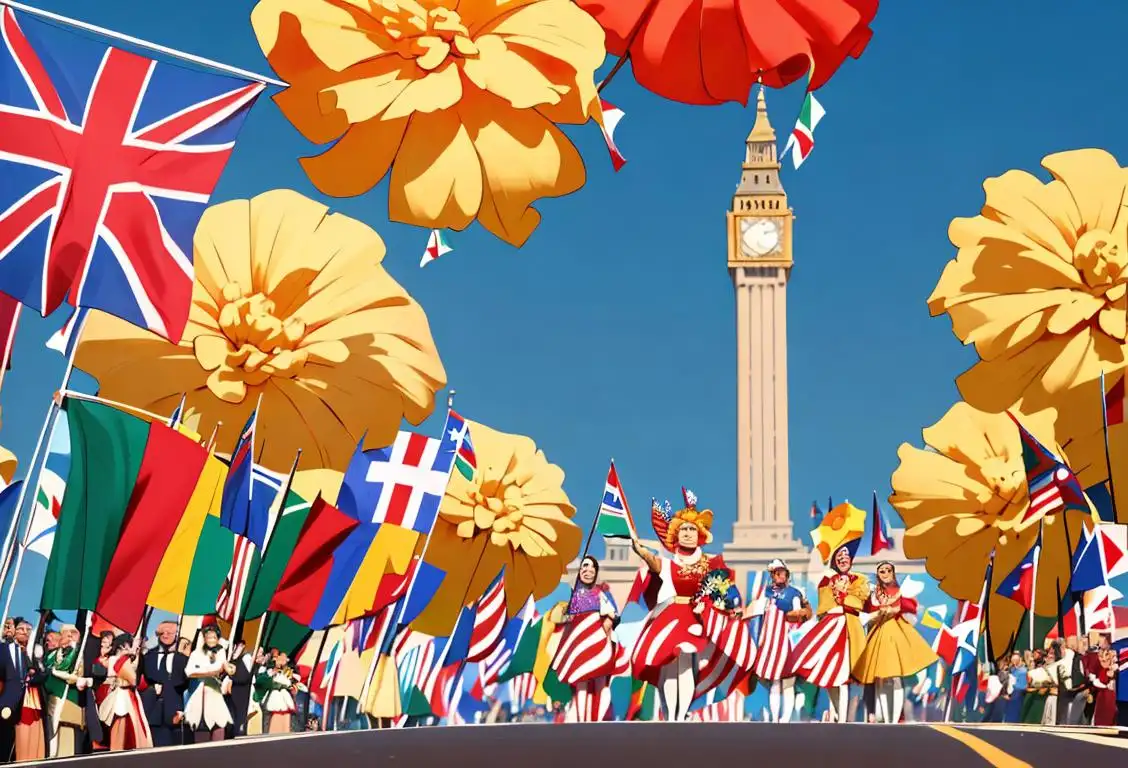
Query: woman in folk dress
[206,709]
[894,649]
[782,609]
[586,660]
[683,627]
[279,686]
[830,649]
[120,710]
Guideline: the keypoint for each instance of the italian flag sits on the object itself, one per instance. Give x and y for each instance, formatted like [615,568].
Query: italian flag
[437,245]
[802,139]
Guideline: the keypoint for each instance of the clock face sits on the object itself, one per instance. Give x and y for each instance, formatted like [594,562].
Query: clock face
[760,237]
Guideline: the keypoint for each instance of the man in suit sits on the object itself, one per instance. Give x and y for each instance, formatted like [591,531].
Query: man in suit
[1072,684]
[238,687]
[14,667]
[163,672]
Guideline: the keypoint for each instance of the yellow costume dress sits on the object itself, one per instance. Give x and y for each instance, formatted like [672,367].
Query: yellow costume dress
[893,647]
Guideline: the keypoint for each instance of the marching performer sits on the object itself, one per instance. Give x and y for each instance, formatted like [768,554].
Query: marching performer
[206,709]
[63,684]
[830,649]
[686,625]
[587,655]
[783,608]
[120,710]
[279,686]
[894,649]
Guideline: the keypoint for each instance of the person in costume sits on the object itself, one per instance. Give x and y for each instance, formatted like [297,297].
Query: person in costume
[30,727]
[674,639]
[894,648]
[782,609]
[63,686]
[237,686]
[279,685]
[830,650]
[120,710]
[163,670]
[206,708]
[591,611]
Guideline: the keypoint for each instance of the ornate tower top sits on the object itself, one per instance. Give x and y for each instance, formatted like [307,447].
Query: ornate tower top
[760,170]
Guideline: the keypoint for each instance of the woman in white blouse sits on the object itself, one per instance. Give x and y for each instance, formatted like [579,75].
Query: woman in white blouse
[206,710]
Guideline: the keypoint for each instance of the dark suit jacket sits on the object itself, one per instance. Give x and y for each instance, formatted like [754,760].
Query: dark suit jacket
[98,674]
[240,699]
[160,709]
[14,675]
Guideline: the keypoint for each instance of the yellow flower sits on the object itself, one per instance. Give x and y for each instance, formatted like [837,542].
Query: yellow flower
[1040,284]
[290,304]
[966,495]
[512,514]
[459,98]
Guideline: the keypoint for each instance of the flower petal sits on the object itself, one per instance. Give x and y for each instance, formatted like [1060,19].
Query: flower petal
[1095,182]
[359,160]
[509,76]
[436,178]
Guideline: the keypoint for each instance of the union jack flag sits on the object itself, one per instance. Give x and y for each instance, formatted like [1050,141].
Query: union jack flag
[107,160]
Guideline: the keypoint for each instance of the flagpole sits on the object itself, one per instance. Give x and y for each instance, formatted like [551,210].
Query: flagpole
[39,461]
[140,43]
[68,394]
[1108,453]
[1034,581]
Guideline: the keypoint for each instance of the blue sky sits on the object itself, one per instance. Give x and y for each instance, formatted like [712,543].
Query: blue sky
[611,333]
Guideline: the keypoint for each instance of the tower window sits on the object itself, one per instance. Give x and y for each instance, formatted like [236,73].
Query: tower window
[769,178]
[756,179]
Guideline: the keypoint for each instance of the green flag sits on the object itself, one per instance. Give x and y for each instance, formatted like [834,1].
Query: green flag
[555,689]
[210,565]
[416,703]
[281,545]
[525,654]
[106,446]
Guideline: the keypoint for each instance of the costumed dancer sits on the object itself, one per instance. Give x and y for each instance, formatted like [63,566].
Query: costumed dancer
[830,650]
[279,685]
[894,649]
[684,625]
[206,709]
[782,608]
[120,709]
[63,685]
[588,655]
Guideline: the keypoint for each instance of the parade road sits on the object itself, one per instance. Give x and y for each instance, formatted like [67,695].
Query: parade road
[653,745]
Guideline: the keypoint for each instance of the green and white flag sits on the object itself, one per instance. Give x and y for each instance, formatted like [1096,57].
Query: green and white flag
[437,245]
[615,520]
[802,139]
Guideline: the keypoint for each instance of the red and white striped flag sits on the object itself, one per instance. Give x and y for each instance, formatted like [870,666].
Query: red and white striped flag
[490,616]
[522,689]
[608,118]
[585,650]
[235,585]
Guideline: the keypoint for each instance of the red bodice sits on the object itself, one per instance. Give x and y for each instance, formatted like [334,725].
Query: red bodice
[687,578]
[878,600]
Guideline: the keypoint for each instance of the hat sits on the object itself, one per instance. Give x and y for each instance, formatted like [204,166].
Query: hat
[777,565]
[689,515]
[843,526]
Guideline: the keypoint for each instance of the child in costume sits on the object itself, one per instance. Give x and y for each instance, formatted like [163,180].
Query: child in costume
[689,633]
[830,650]
[894,649]
[782,609]
[206,709]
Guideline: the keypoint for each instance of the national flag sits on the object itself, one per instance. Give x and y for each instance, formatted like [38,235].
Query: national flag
[239,514]
[437,245]
[109,159]
[304,580]
[642,704]
[816,513]
[287,522]
[608,117]
[1114,401]
[1053,486]
[802,139]
[107,450]
[178,414]
[40,536]
[237,580]
[967,625]
[171,470]
[9,319]
[490,669]
[524,655]
[8,498]
[615,521]
[490,617]
[879,536]
[465,460]
[945,644]
[193,564]
[933,616]
[67,337]
[1101,555]
[1021,583]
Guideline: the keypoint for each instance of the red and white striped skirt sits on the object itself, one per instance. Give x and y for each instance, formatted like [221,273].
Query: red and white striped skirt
[774,654]
[826,654]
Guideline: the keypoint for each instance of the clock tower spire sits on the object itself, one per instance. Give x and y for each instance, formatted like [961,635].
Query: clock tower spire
[760,259]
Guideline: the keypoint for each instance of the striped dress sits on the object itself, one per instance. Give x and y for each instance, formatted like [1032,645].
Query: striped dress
[774,652]
[587,657]
[830,649]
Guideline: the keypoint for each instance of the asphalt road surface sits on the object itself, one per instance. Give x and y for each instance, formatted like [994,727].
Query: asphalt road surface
[652,745]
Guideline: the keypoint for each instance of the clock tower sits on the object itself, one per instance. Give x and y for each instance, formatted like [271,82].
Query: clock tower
[760,260]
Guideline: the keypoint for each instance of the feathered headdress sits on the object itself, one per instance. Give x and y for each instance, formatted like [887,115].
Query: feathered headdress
[666,523]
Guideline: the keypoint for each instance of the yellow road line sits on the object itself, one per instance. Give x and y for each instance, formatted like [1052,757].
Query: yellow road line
[989,752]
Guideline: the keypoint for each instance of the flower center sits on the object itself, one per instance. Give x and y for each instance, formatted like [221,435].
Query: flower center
[1100,259]
[261,345]
[498,509]
[429,36]
[1002,477]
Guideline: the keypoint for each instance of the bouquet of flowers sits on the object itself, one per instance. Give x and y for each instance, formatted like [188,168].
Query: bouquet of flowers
[719,590]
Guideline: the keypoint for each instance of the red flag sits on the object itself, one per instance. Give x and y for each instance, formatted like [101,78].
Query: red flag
[169,471]
[9,316]
[306,575]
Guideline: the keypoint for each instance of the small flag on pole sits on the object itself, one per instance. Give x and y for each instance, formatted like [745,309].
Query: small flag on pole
[465,460]
[615,521]
[802,139]
[608,120]
[437,245]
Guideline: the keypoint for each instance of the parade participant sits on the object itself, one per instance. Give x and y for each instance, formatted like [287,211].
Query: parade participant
[782,608]
[99,685]
[674,637]
[830,650]
[63,686]
[893,648]
[279,686]
[587,655]
[120,709]
[237,687]
[163,670]
[23,705]
[206,708]
[1103,682]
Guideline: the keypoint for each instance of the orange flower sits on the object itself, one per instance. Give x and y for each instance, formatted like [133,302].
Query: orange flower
[459,98]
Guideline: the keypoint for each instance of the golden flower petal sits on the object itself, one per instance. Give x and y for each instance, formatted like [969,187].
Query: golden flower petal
[334,34]
[357,162]
[434,92]
[365,98]
[510,76]
[436,178]
[1095,182]
[211,351]
[466,529]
